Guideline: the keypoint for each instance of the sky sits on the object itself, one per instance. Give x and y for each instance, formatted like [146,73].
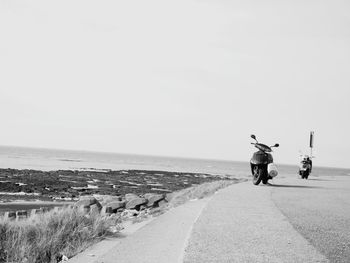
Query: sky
[178,78]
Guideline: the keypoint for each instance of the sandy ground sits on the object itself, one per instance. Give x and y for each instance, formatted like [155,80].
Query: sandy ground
[291,220]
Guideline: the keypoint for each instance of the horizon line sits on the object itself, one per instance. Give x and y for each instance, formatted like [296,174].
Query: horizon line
[153,155]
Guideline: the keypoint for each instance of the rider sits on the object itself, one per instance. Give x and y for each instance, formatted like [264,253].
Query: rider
[307,160]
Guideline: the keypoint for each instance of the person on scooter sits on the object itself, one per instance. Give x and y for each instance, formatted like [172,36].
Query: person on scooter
[306,160]
[309,161]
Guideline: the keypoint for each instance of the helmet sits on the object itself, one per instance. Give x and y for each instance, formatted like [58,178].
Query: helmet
[305,157]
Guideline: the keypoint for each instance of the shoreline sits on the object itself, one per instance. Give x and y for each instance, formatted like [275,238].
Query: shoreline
[60,187]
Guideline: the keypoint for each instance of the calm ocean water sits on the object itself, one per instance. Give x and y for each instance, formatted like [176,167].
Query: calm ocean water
[52,159]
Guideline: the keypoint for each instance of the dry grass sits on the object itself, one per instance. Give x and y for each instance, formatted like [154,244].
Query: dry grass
[42,238]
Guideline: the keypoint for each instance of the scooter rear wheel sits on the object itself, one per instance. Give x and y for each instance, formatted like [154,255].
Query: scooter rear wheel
[258,174]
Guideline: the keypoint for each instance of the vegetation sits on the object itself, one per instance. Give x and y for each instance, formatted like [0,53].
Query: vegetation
[44,237]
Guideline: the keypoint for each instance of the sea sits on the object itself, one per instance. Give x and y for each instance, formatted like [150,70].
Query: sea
[54,159]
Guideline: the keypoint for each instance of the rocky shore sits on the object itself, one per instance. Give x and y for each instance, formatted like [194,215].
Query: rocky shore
[68,185]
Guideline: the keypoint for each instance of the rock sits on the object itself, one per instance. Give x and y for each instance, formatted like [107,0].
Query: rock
[95,208]
[106,211]
[114,206]
[61,258]
[169,196]
[129,213]
[45,209]
[142,207]
[10,215]
[22,214]
[129,197]
[87,204]
[162,203]
[109,198]
[109,210]
[86,201]
[136,203]
[148,195]
[153,199]
[39,211]
[103,210]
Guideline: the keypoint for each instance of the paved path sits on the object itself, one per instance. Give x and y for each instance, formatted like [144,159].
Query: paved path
[162,240]
[292,220]
[319,209]
[242,224]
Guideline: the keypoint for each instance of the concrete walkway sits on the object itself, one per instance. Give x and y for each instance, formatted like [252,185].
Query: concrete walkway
[238,224]
[242,224]
[162,240]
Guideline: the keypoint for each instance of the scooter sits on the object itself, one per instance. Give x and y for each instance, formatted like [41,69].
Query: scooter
[261,163]
[305,167]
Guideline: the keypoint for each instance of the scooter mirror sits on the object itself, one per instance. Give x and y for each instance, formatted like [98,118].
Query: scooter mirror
[253,136]
[276,145]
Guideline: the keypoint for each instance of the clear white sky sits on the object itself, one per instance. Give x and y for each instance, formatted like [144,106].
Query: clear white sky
[178,78]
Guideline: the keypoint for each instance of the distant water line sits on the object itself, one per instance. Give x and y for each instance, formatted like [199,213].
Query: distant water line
[53,159]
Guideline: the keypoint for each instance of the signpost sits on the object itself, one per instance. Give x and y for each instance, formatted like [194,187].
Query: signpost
[311,143]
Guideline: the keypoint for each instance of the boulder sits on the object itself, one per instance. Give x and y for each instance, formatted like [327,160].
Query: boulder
[95,208]
[86,201]
[129,213]
[135,203]
[114,206]
[162,203]
[142,207]
[38,211]
[11,215]
[45,209]
[22,214]
[87,204]
[109,210]
[105,199]
[153,199]
[169,196]
[129,197]
[103,210]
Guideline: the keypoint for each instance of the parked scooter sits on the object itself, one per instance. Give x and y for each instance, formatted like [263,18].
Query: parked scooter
[261,163]
[305,167]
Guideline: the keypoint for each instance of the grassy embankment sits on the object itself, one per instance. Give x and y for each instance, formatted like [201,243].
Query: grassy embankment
[44,237]
[41,238]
